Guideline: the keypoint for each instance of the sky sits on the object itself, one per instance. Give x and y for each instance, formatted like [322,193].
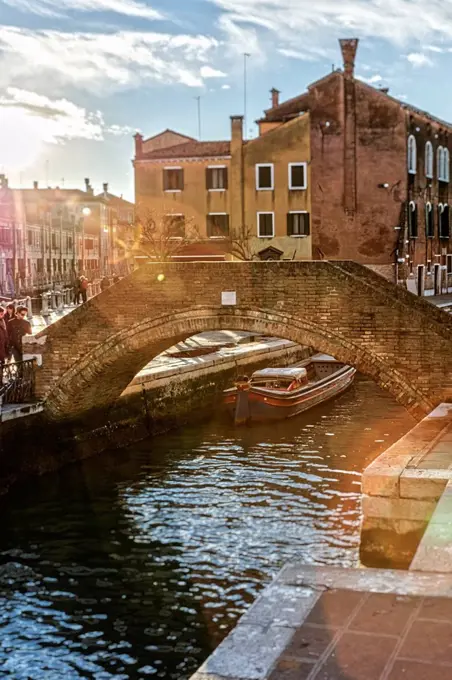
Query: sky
[78,78]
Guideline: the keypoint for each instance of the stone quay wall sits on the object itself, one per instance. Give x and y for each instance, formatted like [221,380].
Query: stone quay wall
[34,445]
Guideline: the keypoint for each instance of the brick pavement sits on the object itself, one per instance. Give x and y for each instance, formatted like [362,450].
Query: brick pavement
[330,623]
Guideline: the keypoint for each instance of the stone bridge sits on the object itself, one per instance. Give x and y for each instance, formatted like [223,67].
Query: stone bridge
[339,308]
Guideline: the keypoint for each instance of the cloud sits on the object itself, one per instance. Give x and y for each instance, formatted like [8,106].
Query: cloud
[418,59]
[225,87]
[373,80]
[56,8]
[101,62]
[399,22]
[31,120]
[209,72]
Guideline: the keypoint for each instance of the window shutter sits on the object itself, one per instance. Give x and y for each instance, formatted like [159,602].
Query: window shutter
[165,180]
[307,224]
[208,178]
[289,224]
[180,179]
[225,177]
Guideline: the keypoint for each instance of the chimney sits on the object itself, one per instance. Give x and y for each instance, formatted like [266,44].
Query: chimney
[275,97]
[35,184]
[138,145]
[236,130]
[349,49]
[3,182]
[87,187]
[105,187]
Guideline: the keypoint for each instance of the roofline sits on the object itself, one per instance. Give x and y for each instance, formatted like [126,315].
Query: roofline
[174,132]
[180,159]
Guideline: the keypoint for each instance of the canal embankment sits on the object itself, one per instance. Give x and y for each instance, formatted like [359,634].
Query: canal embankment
[314,622]
[182,386]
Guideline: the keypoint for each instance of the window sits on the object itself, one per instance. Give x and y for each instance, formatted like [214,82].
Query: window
[429,160]
[175,225]
[412,155]
[449,264]
[446,165]
[429,266]
[264,177]
[440,162]
[412,220]
[69,242]
[30,237]
[265,225]
[89,244]
[429,221]
[54,242]
[216,178]
[173,179]
[217,225]
[298,176]
[298,224]
[443,221]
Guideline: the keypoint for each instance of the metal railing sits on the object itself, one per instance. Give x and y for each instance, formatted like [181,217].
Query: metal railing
[17,384]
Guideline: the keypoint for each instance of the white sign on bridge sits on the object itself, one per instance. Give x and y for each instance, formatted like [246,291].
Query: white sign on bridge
[229,298]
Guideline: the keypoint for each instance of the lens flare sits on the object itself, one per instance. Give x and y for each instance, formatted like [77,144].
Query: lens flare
[161,277]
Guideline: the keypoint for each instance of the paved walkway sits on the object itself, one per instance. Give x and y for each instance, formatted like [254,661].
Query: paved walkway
[327,623]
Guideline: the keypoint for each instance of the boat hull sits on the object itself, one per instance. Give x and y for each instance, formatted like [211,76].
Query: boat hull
[260,405]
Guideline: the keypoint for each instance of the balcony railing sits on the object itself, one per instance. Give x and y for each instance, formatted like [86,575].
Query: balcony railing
[17,384]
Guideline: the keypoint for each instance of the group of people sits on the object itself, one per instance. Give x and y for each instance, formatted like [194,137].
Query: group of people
[13,326]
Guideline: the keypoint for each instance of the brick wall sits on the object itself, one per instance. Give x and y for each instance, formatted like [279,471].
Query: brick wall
[341,309]
[358,142]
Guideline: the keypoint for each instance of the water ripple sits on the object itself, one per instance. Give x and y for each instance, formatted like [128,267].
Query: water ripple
[136,564]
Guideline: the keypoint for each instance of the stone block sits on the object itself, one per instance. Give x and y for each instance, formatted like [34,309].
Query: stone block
[398,508]
[248,653]
[281,605]
[423,484]
[382,477]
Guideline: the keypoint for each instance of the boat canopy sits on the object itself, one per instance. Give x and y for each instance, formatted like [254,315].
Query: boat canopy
[278,373]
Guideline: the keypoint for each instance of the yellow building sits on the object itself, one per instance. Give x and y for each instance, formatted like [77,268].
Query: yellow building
[232,191]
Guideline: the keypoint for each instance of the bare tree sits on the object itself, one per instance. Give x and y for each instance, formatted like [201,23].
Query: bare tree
[162,237]
[240,243]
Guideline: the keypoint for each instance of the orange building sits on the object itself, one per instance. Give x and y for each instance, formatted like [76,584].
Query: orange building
[236,191]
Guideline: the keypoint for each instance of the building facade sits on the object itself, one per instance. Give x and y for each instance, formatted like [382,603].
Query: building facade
[235,191]
[48,236]
[342,171]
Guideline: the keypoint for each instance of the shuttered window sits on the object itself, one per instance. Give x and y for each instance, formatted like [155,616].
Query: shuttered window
[217,226]
[216,179]
[173,179]
[265,225]
[298,224]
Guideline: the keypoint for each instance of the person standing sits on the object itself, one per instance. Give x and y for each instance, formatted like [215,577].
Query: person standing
[17,328]
[4,342]
[84,288]
[10,312]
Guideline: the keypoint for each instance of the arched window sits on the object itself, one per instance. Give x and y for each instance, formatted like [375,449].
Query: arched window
[412,155]
[446,165]
[412,220]
[443,221]
[429,160]
[429,221]
[440,162]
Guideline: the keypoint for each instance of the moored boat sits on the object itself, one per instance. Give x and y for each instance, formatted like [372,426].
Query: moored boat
[278,393]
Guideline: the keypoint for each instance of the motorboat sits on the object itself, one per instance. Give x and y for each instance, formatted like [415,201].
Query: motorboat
[278,393]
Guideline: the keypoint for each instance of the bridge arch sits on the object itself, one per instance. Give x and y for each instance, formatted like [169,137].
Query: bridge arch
[342,309]
[101,375]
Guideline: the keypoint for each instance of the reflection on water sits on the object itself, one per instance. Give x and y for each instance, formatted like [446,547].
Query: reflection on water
[136,564]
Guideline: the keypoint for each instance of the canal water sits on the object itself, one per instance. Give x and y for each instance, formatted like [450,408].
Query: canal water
[136,564]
